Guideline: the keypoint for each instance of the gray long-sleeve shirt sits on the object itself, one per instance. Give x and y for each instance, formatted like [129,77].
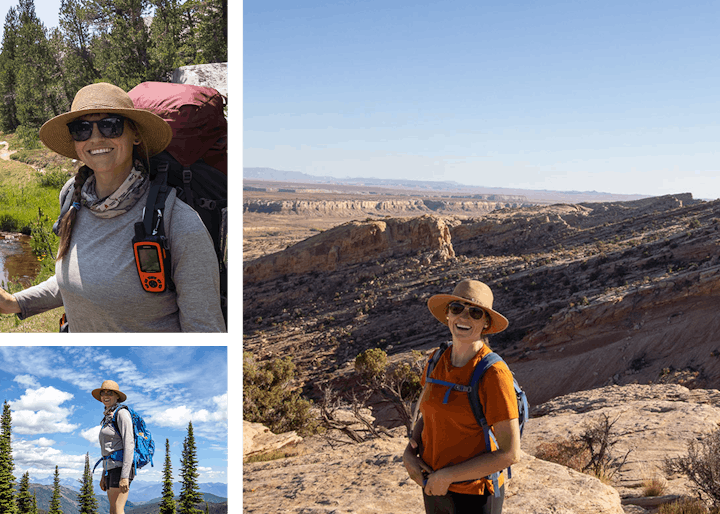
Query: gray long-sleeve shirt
[111,441]
[97,281]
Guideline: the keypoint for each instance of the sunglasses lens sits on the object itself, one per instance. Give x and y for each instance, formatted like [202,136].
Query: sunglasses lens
[476,313]
[80,130]
[111,127]
[456,308]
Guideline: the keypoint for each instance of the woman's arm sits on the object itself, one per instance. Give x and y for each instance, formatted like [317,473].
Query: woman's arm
[411,457]
[507,434]
[195,272]
[37,299]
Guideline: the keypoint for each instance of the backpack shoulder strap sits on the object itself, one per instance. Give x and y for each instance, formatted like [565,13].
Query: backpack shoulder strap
[480,369]
[114,418]
[435,357]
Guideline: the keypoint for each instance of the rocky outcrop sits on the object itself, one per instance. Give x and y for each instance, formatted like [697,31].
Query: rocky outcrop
[355,242]
[211,75]
[654,422]
[258,439]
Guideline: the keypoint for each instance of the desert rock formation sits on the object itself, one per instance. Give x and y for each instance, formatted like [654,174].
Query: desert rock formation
[356,242]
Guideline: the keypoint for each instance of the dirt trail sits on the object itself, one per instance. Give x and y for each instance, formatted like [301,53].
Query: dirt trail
[5,153]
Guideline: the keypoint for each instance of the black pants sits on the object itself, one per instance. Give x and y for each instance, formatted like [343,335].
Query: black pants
[456,503]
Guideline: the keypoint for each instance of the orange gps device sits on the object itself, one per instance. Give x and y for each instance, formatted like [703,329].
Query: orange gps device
[150,258]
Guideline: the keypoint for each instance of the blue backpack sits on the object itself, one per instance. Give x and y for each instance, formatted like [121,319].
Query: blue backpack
[144,444]
[472,389]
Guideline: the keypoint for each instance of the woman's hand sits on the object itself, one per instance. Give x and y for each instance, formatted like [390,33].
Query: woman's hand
[416,467]
[124,485]
[8,303]
[102,483]
[438,483]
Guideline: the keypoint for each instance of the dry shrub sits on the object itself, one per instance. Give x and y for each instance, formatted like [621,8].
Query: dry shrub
[654,486]
[686,506]
[702,466]
[590,452]
[566,452]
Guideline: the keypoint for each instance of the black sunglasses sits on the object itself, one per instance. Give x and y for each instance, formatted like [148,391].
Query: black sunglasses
[456,308]
[110,127]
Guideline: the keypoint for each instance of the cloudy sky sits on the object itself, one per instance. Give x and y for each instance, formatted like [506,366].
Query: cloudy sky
[610,96]
[56,420]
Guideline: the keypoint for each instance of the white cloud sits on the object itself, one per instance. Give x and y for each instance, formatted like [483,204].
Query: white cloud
[39,411]
[180,416]
[92,435]
[43,441]
[27,380]
[36,455]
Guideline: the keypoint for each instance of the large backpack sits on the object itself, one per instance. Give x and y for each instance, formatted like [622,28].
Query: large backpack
[144,444]
[195,161]
[472,390]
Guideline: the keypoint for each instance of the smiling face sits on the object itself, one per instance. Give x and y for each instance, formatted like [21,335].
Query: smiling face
[111,158]
[108,398]
[465,328]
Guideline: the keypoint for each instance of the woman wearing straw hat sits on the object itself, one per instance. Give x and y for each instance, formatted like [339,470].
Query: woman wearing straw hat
[446,453]
[96,278]
[117,475]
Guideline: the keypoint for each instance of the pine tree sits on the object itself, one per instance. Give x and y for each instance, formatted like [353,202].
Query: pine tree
[190,493]
[35,67]
[121,48]
[8,108]
[86,498]
[34,504]
[7,479]
[24,500]
[55,500]
[167,505]
[78,61]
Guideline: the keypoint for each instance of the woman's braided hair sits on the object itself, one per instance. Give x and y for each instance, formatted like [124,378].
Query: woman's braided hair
[68,221]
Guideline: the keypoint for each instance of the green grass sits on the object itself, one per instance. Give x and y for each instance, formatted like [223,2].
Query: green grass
[28,206]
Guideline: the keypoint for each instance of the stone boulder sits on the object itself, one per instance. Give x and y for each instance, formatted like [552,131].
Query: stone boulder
[257,438]
[211,75]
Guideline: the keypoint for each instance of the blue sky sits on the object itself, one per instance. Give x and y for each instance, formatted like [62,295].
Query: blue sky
[56,420]
[609,96]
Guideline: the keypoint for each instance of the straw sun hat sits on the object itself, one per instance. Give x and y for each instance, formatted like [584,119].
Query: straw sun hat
[109,385]
[104,98]
[471,292]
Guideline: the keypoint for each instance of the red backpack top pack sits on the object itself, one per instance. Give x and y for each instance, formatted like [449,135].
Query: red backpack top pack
[194,163]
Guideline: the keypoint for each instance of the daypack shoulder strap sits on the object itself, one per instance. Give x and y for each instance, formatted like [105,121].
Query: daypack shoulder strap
[480,369]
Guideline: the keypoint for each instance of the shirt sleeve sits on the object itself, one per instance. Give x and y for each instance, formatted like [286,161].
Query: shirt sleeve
[497,394]
[124,421]
[195,271]
[40,298]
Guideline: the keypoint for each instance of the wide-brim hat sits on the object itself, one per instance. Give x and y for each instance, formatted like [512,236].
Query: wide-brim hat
[99,99]
[109,385]
[471,292]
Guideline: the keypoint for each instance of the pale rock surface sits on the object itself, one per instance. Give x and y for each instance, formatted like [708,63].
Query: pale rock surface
[210,75]
[655,421]
[258,439]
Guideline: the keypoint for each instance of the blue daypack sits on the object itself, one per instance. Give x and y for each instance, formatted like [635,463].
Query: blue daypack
[472,389]
[144,444]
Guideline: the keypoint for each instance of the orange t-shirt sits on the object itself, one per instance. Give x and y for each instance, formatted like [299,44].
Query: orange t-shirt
[451,433]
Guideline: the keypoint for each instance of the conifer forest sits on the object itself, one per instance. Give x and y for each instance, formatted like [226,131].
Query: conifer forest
[124,42]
